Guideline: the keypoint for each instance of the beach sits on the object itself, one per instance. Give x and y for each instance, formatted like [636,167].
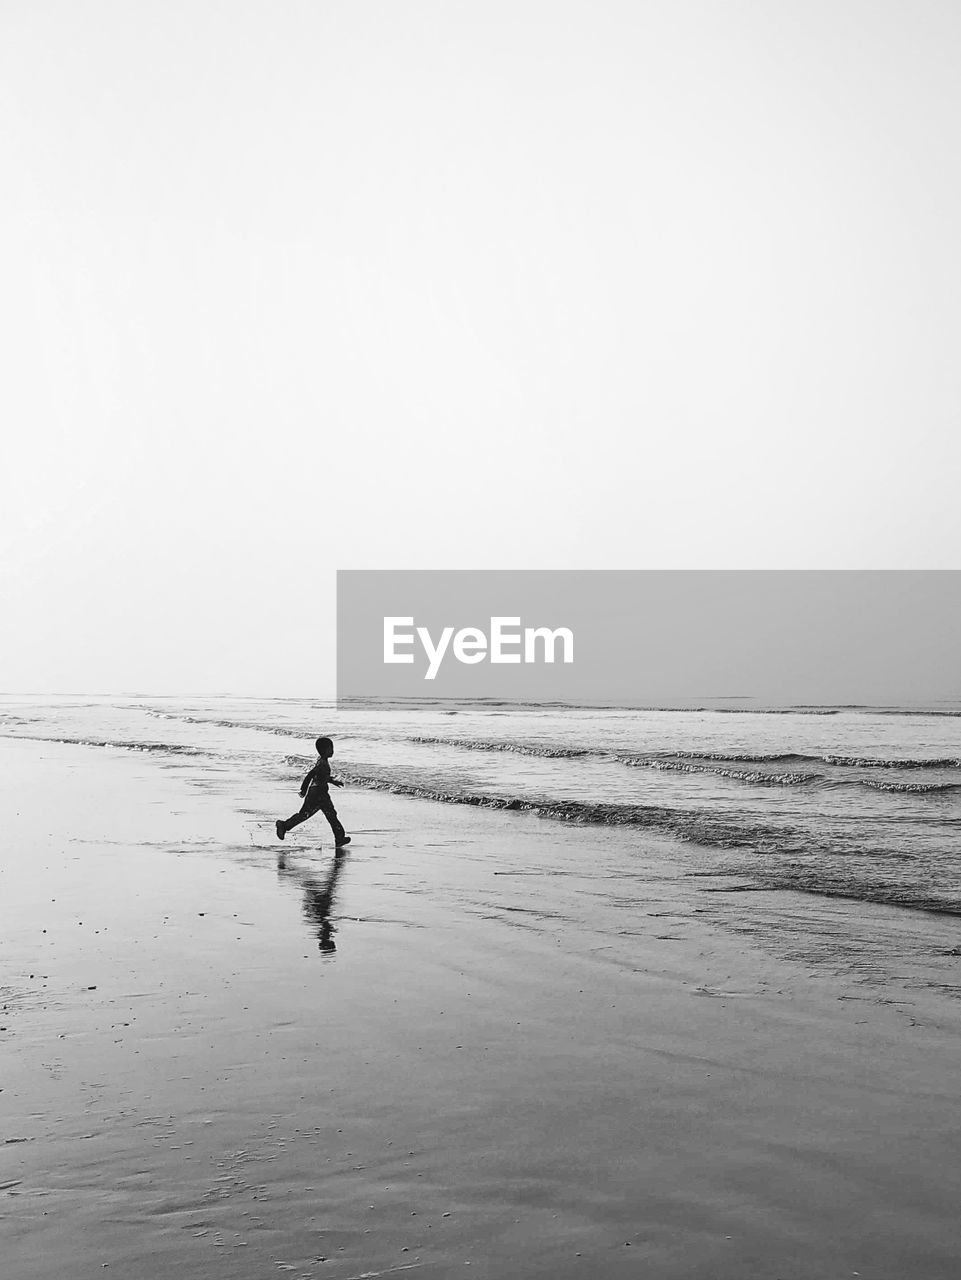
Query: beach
[537,423]
[476,1038]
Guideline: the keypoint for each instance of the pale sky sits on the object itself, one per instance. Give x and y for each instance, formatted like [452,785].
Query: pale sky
[291,287]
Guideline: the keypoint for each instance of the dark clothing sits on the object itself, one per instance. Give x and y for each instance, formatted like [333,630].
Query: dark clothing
[316,797]
[318,776]
[318,801]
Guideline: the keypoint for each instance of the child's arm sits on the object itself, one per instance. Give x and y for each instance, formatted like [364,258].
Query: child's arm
[306,782]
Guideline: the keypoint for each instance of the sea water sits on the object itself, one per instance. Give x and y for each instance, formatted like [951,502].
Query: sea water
[851,802]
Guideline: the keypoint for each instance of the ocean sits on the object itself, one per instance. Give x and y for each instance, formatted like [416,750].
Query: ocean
[861,803]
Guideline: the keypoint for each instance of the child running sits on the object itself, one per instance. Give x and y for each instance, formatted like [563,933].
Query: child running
[316,797]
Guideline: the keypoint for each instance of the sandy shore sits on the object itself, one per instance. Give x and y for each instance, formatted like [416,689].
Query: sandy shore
[477,1039]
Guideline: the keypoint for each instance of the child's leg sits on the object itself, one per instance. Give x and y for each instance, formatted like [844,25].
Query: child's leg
[330,813]
[306,811]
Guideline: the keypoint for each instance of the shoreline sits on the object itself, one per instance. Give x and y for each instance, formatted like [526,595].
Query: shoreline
[578,1060]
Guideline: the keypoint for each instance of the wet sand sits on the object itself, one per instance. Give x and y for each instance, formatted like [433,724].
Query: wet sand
[476,1040]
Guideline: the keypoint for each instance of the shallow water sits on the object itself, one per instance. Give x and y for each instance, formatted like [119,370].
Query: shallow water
[862,803]
[476,1038]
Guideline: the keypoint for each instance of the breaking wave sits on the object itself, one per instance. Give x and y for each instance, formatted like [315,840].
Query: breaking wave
[544,752]
[910,788]
[160,748]
[783,856]
[670,760]
[753,776]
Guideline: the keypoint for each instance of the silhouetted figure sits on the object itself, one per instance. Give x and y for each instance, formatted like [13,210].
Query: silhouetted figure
[318,900]
[318,903]
[316,797]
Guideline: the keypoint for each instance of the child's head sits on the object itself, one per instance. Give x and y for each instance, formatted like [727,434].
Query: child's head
[325,747]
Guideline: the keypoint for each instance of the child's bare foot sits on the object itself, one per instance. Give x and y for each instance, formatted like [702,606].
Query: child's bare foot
[280,829]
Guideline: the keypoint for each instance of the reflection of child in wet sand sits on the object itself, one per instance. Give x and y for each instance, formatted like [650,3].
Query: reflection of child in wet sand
[318,899]
[316,796]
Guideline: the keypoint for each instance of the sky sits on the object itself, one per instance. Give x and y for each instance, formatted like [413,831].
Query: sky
[291,287]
